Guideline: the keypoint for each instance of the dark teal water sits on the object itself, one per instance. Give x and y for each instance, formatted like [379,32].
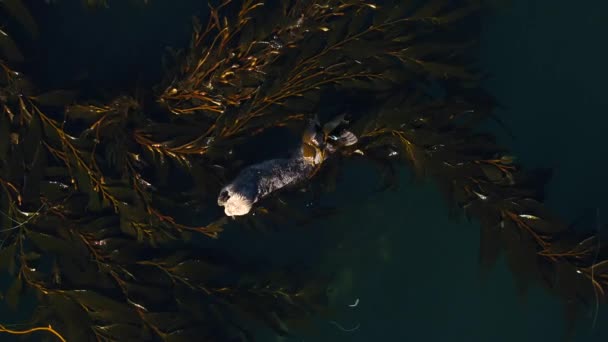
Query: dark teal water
[414,272]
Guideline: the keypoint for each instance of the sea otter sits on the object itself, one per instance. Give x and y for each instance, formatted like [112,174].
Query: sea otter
[260,180]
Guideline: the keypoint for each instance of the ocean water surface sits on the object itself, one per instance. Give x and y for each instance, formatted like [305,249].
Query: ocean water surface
[411,271]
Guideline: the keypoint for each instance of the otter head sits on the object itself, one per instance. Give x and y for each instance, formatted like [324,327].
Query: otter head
[235,203]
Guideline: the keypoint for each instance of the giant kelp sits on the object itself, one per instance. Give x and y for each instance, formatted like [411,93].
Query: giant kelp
[95,227]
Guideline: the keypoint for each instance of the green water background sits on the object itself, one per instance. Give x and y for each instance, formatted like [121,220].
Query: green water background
[414,272]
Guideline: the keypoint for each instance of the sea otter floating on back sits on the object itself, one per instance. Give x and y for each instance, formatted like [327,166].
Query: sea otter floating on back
[260,180]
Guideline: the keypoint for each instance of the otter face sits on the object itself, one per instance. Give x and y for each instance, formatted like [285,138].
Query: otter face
[234,203]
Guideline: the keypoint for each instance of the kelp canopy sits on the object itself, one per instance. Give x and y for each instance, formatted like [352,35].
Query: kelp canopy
[94,225]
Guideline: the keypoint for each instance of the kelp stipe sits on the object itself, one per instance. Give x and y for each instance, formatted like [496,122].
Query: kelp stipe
[96,228]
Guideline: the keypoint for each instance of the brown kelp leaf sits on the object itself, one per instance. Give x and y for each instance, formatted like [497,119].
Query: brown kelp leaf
[490,247]
[272,320]
[169,321]
[460,12]
[54,190]
[360,21]
[534,214]
[98,302]
[492,173]
[7,257]
[30,256]
[123,193]
[361,49]
[72,317]
[4,135]
[189,334]
[95,223]
[81,272]
[109,316]
[430,9]
[521,253]
[51,244]
[444,71]
[13,293]
[123,332]
[333,36]
[571,283]
[86,113]
[148,294]
[391,10]
[56,98]
[299,104]
[121,250]
[422,50]
[32,140]
[13,171]
[542,225]
[197,270]
[17,9]
[600,268]
[32,180]
[589,244]
[8,48]
[51,135]
[188,301]
[83,181]
[5,204]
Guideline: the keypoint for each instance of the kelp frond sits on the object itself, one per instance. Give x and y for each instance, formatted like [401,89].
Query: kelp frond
[244,75]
